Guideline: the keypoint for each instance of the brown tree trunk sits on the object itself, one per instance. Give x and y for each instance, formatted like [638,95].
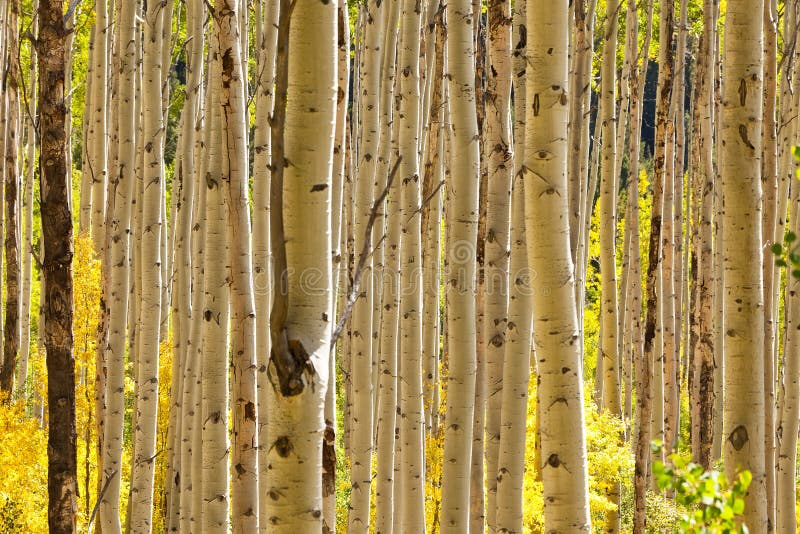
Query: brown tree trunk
[57,270]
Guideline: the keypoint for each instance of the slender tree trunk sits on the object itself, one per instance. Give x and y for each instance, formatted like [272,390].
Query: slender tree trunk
[702,346]
[235,194]
[361,342]
[412,417]
[652,395]
[262,159]
[27,214]
[97,131]
[508,516]
[769,182]
[432,229]
[608,227]
[786,476]
[57,270]
[496,244]
[214,368]
[152,182]
[119,255]
[461,282]
[789,406]
[11,332]
[743,318]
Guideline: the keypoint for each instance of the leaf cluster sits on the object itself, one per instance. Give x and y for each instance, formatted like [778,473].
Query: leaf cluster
[714,505]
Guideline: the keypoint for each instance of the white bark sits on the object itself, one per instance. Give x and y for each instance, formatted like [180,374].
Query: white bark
[560,394]
[743,319]
[461,284]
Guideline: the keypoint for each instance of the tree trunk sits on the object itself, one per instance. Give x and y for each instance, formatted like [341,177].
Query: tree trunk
[235,194]
[62,484]
[702,346]
[262,273]
[560,394]
[119,264]
[27,241]
[496,243]
[302,314]
[510,471]
[11,331]
[97,130]
[358,518]
[610,361]
[743,319]
[461,283]
[148,332]
[789,406]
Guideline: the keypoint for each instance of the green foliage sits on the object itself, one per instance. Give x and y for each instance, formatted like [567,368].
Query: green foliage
[788,253]
[713,505]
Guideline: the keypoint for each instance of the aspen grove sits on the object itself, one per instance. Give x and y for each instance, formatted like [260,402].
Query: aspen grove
[399,266]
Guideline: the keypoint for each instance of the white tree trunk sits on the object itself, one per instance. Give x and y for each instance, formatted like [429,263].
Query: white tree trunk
[560,394]
[461,284]
[119,259]
[299,365]
[743,320]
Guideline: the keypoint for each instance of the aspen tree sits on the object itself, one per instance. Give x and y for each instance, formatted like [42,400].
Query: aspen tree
[631,290]
[702,392]
[789,405]
[214,367]
[27,232]
[642,360]
[148,331]
[608,226]
[740,157]
[235,194]
[432,227]
[579,168]
[673,237]
[516,366]
[412,417]
[340,155]
[655,317]
[786,487]
[361,341]
[563,458]
[97,125]
[267,47]
[191,432]
[496,244]
[387,425]
[183,221]
[57,271]
[769,181]
[11,332]
[387,387]
[300,224]
[119,255]
[461,283]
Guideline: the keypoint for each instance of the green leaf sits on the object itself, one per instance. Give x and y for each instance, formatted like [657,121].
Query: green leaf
[790,237]
[780,263]
[777,249]
[796,152]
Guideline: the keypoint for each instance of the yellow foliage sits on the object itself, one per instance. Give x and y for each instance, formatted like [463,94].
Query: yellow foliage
[162,446]
[86,308]
[610,462]
[23,463]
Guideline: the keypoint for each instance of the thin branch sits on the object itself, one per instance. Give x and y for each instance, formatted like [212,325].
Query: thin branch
[366,253]
[100,499]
